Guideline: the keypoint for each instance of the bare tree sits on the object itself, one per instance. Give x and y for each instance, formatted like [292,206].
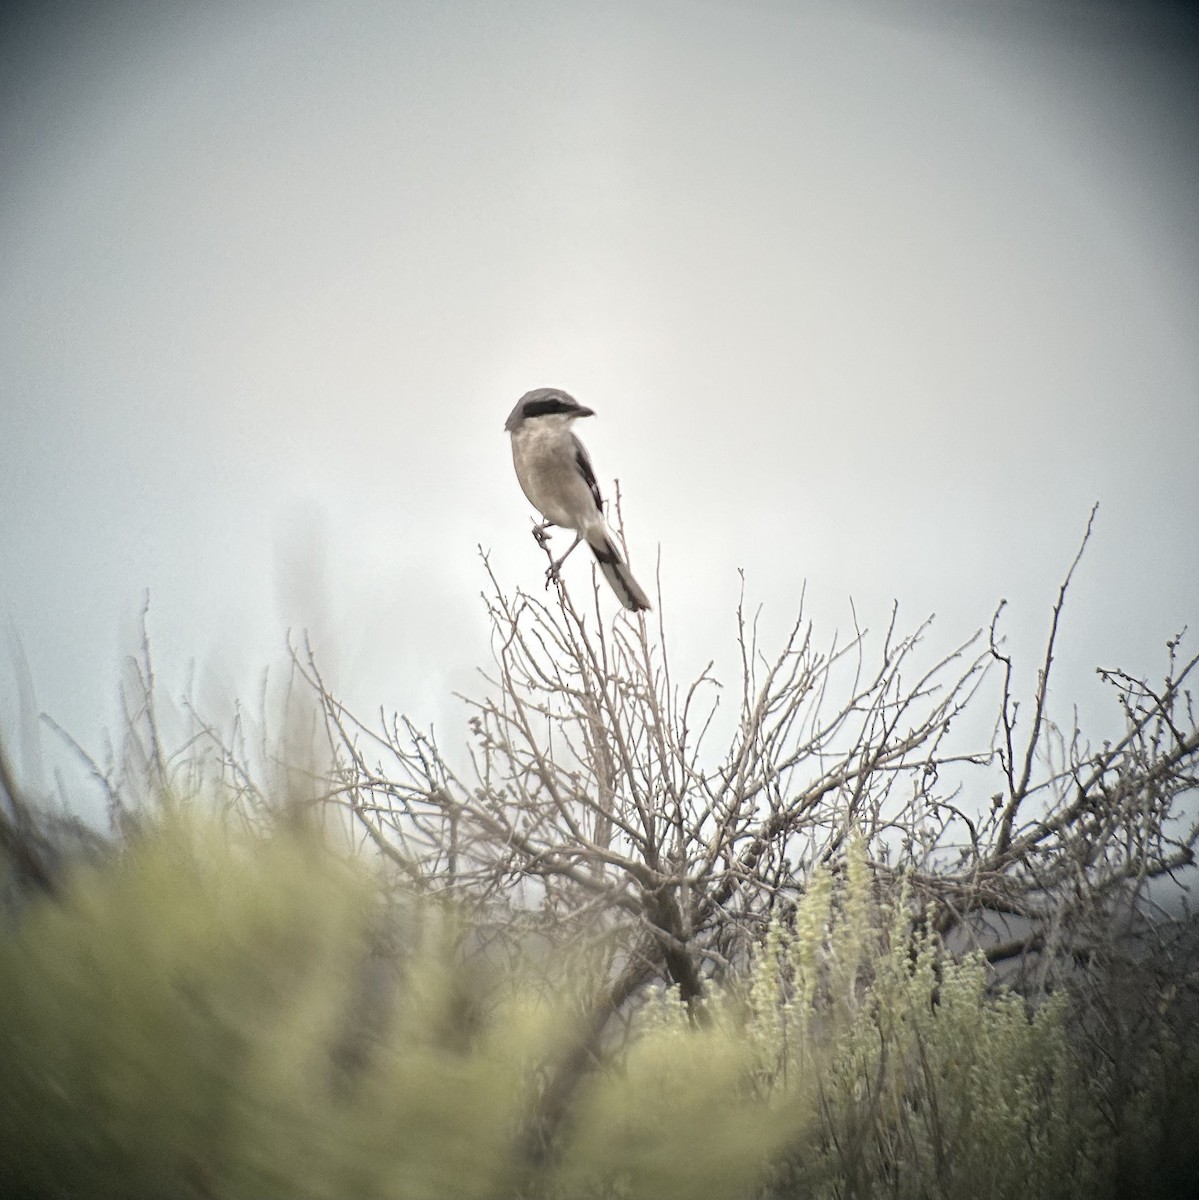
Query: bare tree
[651,832]
[594,805]
[632,817]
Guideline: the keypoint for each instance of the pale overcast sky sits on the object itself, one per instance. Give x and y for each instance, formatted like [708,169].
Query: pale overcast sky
[873,297]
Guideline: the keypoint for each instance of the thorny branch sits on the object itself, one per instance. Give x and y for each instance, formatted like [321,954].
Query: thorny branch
[601,799]
[594,802]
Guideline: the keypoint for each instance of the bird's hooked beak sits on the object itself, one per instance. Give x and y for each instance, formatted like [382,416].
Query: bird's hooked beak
[585,412]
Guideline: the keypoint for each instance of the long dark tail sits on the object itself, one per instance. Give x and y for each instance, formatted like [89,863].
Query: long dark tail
[617,573]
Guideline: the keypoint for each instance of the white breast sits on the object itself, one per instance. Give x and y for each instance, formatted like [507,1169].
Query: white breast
[543,453]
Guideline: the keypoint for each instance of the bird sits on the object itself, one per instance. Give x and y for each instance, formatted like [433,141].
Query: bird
[555,473]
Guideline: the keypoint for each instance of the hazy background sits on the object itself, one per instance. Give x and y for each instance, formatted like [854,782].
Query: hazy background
[879,298]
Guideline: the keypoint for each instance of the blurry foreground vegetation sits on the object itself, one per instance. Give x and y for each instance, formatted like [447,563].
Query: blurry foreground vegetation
[214,1016]
[811,945]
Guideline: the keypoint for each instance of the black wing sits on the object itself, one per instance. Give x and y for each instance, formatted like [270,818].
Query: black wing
[588,472]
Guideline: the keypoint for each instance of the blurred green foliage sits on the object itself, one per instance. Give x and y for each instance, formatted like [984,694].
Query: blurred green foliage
[173,1028]
[203,1016]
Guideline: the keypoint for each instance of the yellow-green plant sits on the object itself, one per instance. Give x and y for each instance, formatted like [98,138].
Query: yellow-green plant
[928,1079]
[175,1026]
[200,1017]
[208,1017]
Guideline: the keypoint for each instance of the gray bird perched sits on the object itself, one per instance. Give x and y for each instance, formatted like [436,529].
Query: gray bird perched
[556,475]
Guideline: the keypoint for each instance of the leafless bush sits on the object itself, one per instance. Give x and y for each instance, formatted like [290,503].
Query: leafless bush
[640,833]
[596,808]
[623,813]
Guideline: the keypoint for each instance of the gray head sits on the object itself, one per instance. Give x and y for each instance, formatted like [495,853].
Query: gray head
[545,402]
